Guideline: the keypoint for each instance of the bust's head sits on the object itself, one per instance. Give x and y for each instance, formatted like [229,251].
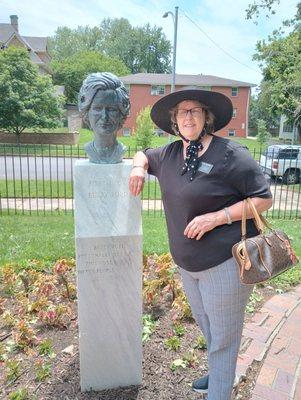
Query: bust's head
[104,103]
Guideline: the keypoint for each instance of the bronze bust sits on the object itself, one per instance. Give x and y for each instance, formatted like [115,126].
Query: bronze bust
[104,103]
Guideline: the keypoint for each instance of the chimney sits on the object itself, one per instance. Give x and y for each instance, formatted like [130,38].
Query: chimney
[14,22]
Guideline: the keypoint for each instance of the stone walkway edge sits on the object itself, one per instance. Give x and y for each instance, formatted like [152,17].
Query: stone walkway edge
[62,204]
[273,338]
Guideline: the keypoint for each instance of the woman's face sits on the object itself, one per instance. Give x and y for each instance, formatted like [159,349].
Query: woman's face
[190,123]
[104,114]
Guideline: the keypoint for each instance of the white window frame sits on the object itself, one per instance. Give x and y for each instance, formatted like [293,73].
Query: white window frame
[234,115]
[157,90]
[231,132]
[236,91]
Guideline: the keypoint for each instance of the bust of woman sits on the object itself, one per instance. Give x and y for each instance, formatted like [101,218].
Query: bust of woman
[104,104]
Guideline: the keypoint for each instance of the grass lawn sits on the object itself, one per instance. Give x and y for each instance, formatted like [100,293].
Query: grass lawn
[73,150]
[33,189]
[57,189]
[48,238]
[130,141]
[86,135]
[254,147]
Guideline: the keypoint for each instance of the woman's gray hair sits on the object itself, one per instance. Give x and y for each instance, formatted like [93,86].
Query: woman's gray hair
[103,81]
[209,119]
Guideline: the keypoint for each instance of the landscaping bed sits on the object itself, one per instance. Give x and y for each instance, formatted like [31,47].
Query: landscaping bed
[39,336]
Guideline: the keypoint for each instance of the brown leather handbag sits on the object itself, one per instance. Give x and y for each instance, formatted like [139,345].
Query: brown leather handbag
[264,256]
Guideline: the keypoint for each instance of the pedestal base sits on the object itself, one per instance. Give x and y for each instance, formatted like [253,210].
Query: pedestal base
[109,276]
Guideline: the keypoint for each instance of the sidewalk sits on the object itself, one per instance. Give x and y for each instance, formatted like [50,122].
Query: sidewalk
[273,337]
[284,200]
[59,204]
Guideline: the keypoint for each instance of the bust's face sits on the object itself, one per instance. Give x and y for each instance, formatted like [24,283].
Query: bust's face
[104,114]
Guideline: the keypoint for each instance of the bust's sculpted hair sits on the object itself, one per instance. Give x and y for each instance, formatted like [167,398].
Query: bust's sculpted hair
[103,81]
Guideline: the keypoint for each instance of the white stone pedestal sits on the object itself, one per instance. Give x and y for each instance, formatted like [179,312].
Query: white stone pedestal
[109,276]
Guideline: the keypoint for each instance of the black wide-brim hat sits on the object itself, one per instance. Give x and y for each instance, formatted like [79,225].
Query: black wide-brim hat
[219,104]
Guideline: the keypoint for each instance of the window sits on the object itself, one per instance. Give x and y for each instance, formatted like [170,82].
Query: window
[275,152]
[234,91]
[126,131]
[288,128]
[288,154]
[231,132]
[234,113]
[127,86]
[157,90]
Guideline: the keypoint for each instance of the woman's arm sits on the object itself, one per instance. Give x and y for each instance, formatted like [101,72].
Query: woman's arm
[204,223]
[137,176]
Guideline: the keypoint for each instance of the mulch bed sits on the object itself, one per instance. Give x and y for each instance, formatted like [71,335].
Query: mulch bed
[159,381]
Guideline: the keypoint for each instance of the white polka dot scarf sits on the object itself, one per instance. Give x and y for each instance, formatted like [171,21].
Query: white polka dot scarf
[192,160]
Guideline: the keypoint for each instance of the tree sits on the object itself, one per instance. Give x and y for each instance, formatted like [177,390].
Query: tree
[144,128]
[257,6]
[142,49]
[281,65]
[280,61]
[73,70]
[263,135]
[67,42]
[260,109]
[27,99]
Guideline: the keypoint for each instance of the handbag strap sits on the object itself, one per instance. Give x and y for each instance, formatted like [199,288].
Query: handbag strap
[246,260]
[244,221]
[260,220]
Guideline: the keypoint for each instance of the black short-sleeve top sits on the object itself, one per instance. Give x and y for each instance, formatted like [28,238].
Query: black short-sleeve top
[226,175]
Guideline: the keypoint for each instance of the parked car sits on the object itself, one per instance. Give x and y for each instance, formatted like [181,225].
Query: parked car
[282,161]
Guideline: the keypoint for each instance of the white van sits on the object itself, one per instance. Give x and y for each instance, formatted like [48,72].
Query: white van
[282,161]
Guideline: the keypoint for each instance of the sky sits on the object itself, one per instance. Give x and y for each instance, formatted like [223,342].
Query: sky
[222,20]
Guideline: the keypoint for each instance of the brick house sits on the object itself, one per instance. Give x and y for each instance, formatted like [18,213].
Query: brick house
[145,89]
[36,46]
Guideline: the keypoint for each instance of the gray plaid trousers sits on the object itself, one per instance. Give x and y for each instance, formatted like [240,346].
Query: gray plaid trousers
[218,301]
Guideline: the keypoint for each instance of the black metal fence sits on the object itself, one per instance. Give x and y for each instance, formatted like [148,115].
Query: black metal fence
[38,179]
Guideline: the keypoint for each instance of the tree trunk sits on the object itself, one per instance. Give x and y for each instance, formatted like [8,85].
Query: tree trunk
[18,138]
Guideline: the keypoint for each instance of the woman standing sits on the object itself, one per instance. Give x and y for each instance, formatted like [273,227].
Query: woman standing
[203,180]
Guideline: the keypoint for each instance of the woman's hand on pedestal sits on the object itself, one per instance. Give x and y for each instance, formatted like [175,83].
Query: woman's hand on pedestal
[137,179]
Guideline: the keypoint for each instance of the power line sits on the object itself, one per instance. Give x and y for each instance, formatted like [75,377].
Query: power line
[216,44]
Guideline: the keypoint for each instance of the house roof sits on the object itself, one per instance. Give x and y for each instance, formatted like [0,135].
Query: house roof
[38,44]
[183,80]
[35,44]
[6,30]
[33,56]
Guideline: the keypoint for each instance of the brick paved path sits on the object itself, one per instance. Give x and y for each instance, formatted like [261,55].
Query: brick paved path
[274,337]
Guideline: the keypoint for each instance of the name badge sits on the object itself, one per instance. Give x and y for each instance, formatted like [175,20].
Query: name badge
[205,167]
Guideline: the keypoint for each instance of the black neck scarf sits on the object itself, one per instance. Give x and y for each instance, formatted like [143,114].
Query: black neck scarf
[192,160]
